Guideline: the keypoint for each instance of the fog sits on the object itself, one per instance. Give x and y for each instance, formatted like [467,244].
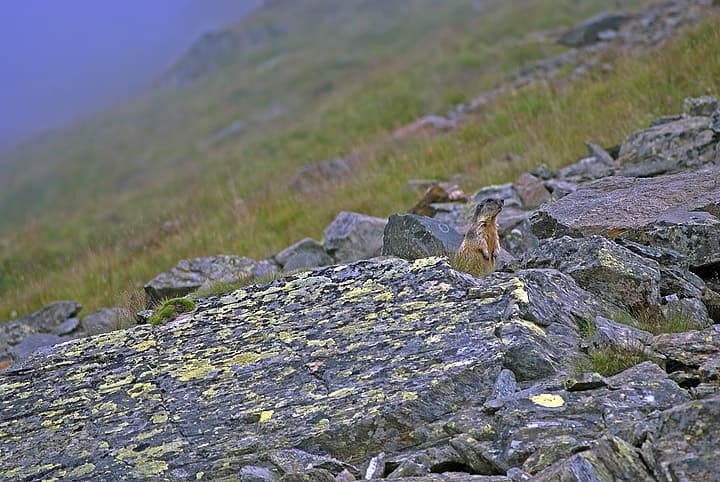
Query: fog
[60,59]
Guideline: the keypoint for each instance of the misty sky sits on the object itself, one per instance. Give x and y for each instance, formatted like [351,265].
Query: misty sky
[64,58]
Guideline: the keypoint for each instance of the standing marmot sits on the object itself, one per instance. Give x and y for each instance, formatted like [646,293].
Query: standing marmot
[481,246]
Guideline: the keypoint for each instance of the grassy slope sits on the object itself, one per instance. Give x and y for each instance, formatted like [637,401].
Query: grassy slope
[86,255]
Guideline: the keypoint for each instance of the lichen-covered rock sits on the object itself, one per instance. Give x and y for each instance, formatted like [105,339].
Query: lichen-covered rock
[608,333]
[545,423]
[684,444]
[683,144]
[306,253]
[338,362]
[613,205]
[695,352]
[609,458]
[688,310]
[696,235]
[410,236]
[590,31]
[700,106]
[191,274]
[353,236]
[602,267]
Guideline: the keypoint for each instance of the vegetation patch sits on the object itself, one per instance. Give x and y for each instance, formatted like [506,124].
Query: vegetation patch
[169,309]
[610,360]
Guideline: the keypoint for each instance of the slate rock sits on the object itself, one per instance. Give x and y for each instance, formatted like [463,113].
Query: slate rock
[190,274]
[531,190]
[410,236]
[306,253]
[608,333]
[684,446]
[252,473]
[602,267]
[33,343]
[668,148]
[610,458]
[616,204]
[309,362]
[700,106]
[104,320]
[586,169]
[589,31]
[353,236]
[695,352]
[46,320]
[696,235]
[690,310]
[546,424]
[69,326]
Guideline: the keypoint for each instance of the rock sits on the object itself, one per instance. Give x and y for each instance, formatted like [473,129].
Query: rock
[428,125]
[610,458]
[311,177]
[104,320]
[353,236]
[586,169]
[607,333]
[409,468]
[532,191]
[694,352]
[687,310]
[376,467]
[306,253]
[46,320]
[191,274]
[33,343]
[601,155]
[602,267]
[409,236]
[696,235]
[438,193]
[684,444]
[590,31]
[675,278]
[309,362]
[251,473]
[700,106]
[614,205]
[67,327]
[546,424]
[294,461]
[586,381]
[668,148]
[560,189]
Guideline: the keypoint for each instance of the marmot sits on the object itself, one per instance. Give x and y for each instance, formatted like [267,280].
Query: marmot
[480,248]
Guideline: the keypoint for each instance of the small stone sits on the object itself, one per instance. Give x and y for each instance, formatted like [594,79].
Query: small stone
[532,191]
[586,381]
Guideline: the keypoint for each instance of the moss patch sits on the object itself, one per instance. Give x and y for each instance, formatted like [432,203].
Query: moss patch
[170,309]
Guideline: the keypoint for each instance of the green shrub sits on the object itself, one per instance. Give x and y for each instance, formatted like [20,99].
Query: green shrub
[169,309]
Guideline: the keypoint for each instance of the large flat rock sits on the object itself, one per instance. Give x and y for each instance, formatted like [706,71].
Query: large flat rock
[345,361]
[613,205]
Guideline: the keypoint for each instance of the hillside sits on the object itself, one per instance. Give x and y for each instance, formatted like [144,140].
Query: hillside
[96,210]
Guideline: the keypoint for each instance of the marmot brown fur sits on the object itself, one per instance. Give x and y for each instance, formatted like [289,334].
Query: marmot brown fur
[481,246]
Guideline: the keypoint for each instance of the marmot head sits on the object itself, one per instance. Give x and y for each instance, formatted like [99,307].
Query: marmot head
[488,208]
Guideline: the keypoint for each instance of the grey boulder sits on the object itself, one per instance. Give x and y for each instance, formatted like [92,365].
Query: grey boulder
[306,253]
[410,236]
[190,274]
[353,236]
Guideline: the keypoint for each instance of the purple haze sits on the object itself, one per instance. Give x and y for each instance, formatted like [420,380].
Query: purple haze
[60,59]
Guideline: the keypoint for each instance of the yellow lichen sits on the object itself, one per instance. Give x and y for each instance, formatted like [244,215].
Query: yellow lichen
[548,400]
[82,470]
[145,345]
[266,415]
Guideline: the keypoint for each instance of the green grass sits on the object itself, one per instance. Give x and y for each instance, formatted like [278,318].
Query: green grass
[609,361]
[84,219]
